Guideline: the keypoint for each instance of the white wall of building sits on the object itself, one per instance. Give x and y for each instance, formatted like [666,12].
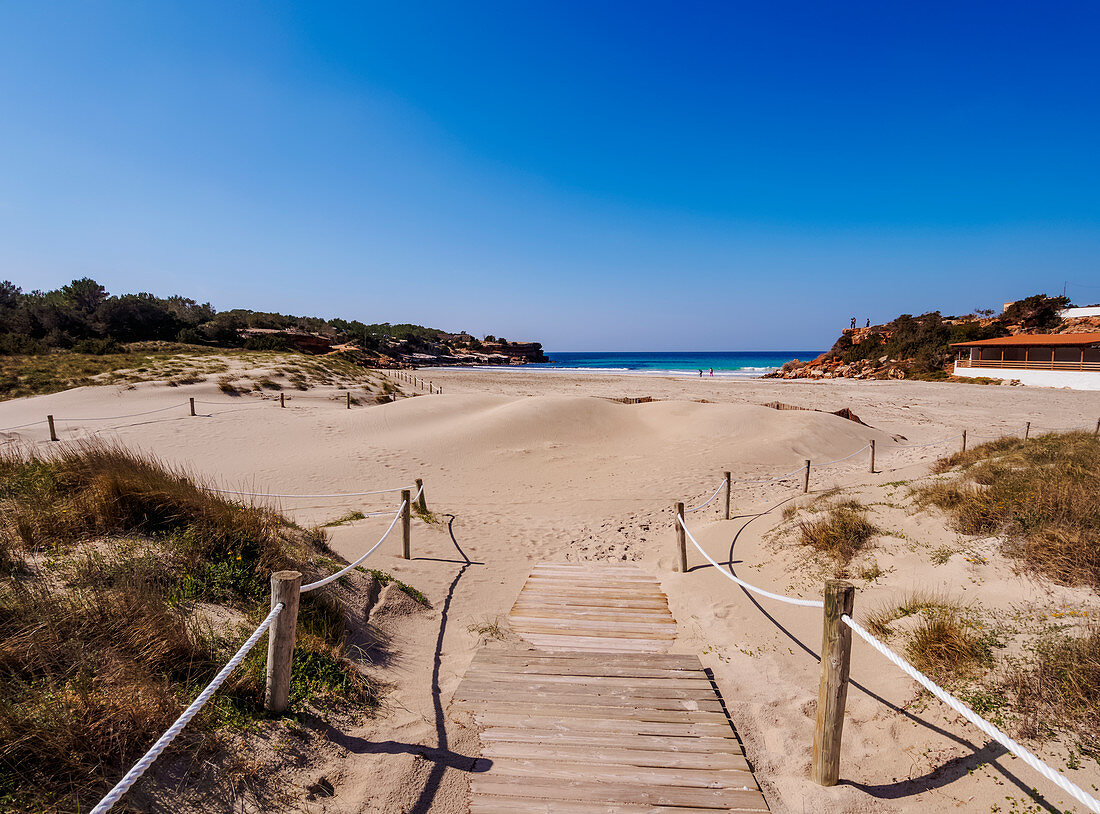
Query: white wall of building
[1070,313]
[1074,379]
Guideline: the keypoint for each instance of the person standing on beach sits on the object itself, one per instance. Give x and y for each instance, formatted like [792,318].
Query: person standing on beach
[700,373]
[712,371]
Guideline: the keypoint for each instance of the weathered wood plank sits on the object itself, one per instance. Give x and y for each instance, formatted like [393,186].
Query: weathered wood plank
[648,775]
[614,755]
[585,790]
[670,745]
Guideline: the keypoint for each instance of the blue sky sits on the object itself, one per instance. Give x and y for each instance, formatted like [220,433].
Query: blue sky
[599,176]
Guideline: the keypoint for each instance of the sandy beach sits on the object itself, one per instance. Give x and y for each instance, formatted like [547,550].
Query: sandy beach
[533,466]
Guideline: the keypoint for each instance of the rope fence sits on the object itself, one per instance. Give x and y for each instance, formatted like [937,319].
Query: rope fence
[348,399]
[837,606]
[280,625]
[139,768]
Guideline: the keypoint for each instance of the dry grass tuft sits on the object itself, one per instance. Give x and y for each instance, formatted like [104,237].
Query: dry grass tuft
[946,642]
[841,533]
[1043,494]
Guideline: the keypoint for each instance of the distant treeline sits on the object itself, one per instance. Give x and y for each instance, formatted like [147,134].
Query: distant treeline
[84,317]
[927,339]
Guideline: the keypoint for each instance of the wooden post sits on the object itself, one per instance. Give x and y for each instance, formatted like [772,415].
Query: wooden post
[964,441]
[286,587]
[53,432]
[872,455]
[406,524]
[681,538]
[836,652]
[1027,430]
[806,479]
[422,504]
[729,487]
[1097,430]
[192,400]
[349,399]
[282,400]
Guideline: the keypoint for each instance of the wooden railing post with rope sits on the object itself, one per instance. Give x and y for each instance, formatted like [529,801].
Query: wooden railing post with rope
[836,656]
[681,538]
[286,587]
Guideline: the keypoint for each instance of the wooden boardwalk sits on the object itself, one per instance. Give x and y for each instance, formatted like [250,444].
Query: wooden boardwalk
[598,716]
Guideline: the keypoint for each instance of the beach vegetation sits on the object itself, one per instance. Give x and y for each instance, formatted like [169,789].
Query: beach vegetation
[1042,496]
[947,640]
[125,587]
[841,533]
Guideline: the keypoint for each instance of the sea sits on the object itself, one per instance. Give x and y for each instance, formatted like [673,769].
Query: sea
[735,364]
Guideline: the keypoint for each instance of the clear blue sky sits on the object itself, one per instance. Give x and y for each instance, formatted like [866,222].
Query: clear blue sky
[600,176]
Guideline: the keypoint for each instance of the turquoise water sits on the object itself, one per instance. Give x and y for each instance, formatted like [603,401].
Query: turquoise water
[742,364]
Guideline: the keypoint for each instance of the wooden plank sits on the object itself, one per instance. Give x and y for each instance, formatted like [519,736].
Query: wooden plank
[557,641]
[488,669]
[677,727]
[501,713]
[573,683]
[669,745]
[593,602]
[536,698]
[666,660]
[654,594]
[649,775]
[545,610]
[615,755]
[514,805]
[598,625]
[722,799]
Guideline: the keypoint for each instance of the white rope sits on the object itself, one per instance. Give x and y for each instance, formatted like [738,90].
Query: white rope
[337,494]
[790,600]
[128,415]
[21,426]
[131,777]
[989,729]
[846,457]
[929,444]
[771,480]
[717,492]
[323,582]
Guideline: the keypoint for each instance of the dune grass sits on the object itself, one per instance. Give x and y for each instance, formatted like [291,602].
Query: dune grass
[841,533]
[119,574]
[946,642]
[1043,495]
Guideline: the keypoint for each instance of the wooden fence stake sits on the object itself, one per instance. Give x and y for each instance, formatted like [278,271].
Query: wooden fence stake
[806,479]
[192,400]
[349,399]
[872,455]
[406,524]
[422,504]
[1027,430]
[282,400]
[964,441]
[836,652]
[286,587]
[729,488]
[53,432]
[681,538]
